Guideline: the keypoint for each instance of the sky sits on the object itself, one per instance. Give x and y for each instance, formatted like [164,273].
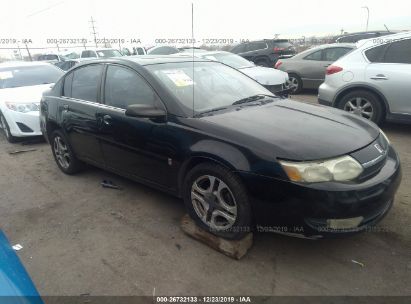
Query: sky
[149,20]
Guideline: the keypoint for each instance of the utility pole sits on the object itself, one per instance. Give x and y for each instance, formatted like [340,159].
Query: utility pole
[92,21]
[368,16]
[28,51]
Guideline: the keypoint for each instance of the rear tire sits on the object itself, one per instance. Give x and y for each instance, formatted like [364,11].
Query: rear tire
[63,154]
[295,84]
[363,103]
[6,129]
[217,201]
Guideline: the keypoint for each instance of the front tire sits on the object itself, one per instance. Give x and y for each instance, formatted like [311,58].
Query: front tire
[63,154]
[295,84]
[217,201]
[363,103]
[6,129]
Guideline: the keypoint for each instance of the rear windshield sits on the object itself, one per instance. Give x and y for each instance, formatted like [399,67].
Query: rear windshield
[14,77]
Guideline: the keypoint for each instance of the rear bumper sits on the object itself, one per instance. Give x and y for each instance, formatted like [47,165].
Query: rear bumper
[23,124]
[323,210]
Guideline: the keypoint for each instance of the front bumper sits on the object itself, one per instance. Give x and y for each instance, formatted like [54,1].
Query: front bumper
[23,124]
[322,210]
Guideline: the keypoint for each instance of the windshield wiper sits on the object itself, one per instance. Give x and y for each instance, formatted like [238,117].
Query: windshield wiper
[210,111]
[253,98]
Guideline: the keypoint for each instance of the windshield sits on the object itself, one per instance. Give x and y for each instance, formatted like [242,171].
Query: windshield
[108,53]
[13,77]
[232,60]
[215,85]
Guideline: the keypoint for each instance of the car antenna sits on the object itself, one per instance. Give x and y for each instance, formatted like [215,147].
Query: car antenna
[387,28]
[192,41]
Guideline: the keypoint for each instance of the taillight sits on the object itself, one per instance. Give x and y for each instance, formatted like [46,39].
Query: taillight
[277,49]
[332,69]
[277,64]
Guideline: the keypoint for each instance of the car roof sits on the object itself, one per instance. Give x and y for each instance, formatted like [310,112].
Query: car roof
[12,64]
[365,43]
[158,59]
[147,59]
[330,45]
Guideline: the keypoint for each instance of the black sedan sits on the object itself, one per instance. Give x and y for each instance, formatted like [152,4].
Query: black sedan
[238,156]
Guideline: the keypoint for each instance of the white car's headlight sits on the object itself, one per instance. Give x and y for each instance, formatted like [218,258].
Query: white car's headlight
[23,107]
[343,168]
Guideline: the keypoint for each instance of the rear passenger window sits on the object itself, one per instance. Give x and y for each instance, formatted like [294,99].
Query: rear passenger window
[333,54]
[399,52]
[314,56]
[86,82]
[376,54]
[254,46]
[125,87]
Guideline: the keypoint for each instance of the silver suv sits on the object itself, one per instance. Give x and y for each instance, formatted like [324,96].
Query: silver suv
[373,81]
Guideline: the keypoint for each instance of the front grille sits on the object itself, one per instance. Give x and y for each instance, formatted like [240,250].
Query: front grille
[23,128]
[372,157]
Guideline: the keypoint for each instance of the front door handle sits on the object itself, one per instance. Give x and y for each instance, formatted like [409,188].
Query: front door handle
[107,120]
[379,77]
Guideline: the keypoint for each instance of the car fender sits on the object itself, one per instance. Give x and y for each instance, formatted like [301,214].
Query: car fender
[207,150]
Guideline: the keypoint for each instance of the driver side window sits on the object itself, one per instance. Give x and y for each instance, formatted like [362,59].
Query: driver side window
[124,87]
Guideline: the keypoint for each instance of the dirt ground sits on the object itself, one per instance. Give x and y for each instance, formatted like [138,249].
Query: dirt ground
[79,238]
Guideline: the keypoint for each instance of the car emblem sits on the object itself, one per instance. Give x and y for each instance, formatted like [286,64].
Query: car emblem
[379,149]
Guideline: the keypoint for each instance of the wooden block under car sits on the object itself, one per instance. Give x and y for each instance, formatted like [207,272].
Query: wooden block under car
[232,248]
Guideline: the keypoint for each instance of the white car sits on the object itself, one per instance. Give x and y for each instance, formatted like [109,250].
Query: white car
[373,81]
[275,81]
[100,53]
[21,87]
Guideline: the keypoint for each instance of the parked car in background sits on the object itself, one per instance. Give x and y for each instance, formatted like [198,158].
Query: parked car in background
[50,58]
[236,154]
[307,69]
[68,64]
[355,37]
[162,50]
[374,81]
[21,87]
[264,52]
[16,285]
[190,50]
[100,53]
[139,50]
[274,80]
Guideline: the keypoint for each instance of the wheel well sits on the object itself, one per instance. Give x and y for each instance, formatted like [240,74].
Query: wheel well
[195,161]
[51,127]
[349,90]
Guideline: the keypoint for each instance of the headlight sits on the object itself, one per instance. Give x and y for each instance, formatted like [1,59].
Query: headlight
[23,107]
[385,136]
[343,168]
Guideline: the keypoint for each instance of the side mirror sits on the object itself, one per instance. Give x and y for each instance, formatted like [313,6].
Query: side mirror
[146,111]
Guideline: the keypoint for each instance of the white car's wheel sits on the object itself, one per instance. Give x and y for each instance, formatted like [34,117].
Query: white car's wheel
[4,125]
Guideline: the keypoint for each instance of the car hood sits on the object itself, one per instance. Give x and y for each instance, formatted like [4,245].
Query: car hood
[266,76]
[24,94]
[295,130]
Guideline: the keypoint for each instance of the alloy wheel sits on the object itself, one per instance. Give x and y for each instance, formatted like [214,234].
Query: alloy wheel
[293,84]
[62,152]
[360,106]
[213,202]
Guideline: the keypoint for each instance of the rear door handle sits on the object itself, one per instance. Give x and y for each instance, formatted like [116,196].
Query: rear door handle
[379,77]
[107,120]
